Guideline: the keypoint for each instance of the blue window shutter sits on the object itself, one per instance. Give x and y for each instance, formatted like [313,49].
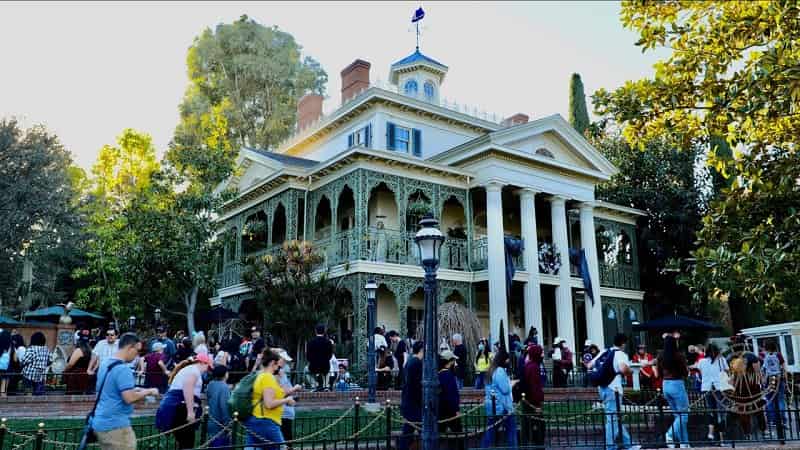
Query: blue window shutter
[368,136]
[389,136]
[417,142]
[350,140]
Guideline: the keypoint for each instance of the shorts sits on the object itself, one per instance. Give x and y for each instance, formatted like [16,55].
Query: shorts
[117,439]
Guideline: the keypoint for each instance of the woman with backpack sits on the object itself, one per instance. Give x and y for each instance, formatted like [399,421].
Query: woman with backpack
[672,365]
[268,399]
[501,408]
[180,406]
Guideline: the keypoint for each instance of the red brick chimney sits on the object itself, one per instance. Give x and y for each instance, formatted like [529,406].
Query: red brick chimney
[516,119]
[309,109]
[355,78]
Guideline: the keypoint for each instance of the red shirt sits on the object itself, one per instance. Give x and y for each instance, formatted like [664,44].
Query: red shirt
[645,370]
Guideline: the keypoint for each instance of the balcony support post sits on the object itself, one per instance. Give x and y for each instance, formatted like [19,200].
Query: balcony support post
[498,303]
[533,293]
[565,316]
[594,310]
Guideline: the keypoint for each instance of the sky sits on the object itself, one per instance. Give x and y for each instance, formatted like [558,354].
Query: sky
[89,70]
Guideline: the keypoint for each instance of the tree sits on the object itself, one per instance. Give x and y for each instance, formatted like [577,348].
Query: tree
[578,115]
[295,298]
[245,80]
[733,73]
[37,209]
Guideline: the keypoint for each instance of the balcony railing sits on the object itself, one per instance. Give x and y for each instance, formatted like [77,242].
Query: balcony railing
[231,275]
[619,276]
[480,256]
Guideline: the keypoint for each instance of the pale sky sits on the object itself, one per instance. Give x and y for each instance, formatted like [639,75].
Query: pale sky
[89,70]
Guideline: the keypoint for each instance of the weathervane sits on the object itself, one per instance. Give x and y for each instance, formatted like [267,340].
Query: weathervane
[419,14]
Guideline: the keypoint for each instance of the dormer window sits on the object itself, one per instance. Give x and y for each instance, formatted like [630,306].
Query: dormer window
[410,88]
[430,90]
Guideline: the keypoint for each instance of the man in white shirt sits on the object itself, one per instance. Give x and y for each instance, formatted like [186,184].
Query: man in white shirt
[608,395]
[103,350]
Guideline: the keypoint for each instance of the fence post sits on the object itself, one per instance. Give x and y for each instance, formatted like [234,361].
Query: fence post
[388,423]
[494,417]
[778,411]
[235,429]
[660,411]
[3,430]
[204,425]
[618,440]
[356,423]
[39,444]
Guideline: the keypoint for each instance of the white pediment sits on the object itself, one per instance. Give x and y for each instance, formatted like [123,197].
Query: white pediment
[251,168]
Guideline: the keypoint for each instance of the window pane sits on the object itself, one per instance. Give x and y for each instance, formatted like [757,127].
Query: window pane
[787,344]
[401,138]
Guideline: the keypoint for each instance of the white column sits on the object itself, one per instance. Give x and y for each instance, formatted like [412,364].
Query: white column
[565,318]
[533,293]
[594,313]
[498,304]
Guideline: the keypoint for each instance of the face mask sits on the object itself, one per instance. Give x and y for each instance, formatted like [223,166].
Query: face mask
[480,347]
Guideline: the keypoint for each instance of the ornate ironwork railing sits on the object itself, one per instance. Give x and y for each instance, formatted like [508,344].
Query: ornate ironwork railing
[621,276]
[231,275]
[480,256]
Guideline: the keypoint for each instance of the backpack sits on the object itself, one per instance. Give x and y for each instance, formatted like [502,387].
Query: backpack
[241,399]
[603,373]
[772,365]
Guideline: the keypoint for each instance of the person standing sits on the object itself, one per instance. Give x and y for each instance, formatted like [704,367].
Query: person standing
[400,355]
[534,396]
[217,394]
[269,398]
[318,352]
[672,365]
[590,352]
[18,343]
[169,345]
[608,394]
[103,350]
[75,376]
[449,398]
[156,371]
[460,351]
[180,407]
[712,368]
[288,415]
[6,358]
[774,368]
[35,363]
[199,343]
[482,362]
[117,393]
[257,346]
[501,409]
[411,396]
[647,374]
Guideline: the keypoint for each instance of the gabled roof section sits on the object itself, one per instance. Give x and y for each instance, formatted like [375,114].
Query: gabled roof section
[502,140]
[417,56]
[286,160]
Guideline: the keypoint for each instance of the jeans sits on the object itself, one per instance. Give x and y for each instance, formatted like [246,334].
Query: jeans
[613,418]
[675,393]
[479,380]
[460,383]
[37,387]
[511,431]
[267,430]
[776,403]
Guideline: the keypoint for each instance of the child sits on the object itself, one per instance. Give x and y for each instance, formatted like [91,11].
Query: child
[342,379]
[218,393]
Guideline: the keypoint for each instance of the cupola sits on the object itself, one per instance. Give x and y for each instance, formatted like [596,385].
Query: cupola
[418,76]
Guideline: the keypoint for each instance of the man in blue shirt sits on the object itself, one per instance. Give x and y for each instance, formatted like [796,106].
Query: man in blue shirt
[111,421]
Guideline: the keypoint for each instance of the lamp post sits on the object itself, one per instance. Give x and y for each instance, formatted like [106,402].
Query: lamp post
[131,323]
[429,240]
[372,378]
[157,316]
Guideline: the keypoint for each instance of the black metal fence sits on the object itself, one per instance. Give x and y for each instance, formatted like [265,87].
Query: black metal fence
[643,419]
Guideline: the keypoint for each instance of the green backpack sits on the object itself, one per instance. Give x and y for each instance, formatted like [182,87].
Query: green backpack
[241,400]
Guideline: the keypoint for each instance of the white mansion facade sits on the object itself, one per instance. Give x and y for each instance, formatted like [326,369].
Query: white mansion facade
[355,182]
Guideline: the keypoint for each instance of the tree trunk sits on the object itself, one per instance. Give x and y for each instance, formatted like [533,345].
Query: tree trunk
[190,300]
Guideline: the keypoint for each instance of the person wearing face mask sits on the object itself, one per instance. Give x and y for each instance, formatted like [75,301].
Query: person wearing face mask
[449,398]
[482,362]
[499,385]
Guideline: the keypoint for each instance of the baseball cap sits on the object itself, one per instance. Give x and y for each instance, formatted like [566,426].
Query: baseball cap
[448,355]
[558,339]
[204,358]
[283,355]
[158,346]
[587,343]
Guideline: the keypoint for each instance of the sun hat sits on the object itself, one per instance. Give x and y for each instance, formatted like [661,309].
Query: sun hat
[558,341]
[448,355]
[283,355]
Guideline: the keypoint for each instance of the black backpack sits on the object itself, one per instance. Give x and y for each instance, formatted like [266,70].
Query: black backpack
[602,372]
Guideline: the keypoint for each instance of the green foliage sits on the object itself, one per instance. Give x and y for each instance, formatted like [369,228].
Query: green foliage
[245,80]
[734,74]
[294,298]
[38,200]
[578,115]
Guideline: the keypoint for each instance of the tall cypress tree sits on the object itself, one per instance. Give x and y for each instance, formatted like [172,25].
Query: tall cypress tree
[578,116]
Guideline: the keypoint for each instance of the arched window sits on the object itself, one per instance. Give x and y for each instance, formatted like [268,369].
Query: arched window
[430,91]
[545,152]
[624,249]
[410,88]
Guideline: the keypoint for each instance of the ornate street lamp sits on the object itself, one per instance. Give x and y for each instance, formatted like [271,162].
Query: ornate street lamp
[131,323]
[157,316]
[372,378]
[429,240]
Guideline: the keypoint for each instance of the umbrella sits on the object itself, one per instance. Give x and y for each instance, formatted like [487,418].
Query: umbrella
[8,321]
[58,311]
[676,322]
